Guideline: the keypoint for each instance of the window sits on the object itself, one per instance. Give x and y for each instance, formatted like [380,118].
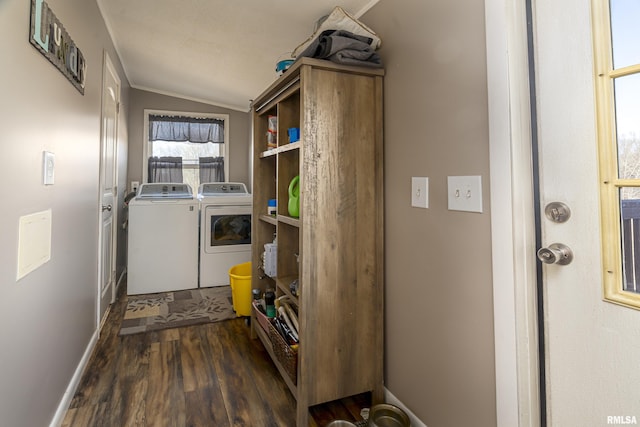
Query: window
[617,65]
[185,147]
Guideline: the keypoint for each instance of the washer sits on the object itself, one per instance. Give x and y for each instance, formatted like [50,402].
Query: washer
[163,239]
[225,230]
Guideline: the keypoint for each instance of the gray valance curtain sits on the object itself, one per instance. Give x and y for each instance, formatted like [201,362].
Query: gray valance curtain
[192,129]
[211,169]
[165,169]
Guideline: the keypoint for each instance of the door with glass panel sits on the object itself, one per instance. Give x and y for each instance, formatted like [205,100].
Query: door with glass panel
[587,59]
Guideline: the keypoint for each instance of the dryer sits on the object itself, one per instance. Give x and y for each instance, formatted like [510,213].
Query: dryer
[225,230]
[163,239]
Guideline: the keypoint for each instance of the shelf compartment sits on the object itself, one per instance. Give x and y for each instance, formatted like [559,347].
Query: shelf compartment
[262,232]
[264,337]
[288,166]
[288,251]
[261,130]
[282,283]
[288,115]
[292,88]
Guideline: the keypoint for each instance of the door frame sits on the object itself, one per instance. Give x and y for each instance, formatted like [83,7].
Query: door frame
[107,66]
[517,361]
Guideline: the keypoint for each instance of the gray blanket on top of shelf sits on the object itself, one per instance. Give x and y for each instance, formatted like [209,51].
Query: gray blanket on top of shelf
[343,47]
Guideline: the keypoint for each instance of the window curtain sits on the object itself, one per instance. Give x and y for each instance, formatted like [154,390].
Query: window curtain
[165,169]
[211,169]
[192,129]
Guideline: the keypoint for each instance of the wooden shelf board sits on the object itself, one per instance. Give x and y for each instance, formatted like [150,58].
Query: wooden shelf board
[269,218]
[289,147]
[281,149]
[294,222]
[269,153]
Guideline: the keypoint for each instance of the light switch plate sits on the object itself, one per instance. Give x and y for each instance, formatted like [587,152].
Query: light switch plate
[464,193]
[48,167]
[420,192]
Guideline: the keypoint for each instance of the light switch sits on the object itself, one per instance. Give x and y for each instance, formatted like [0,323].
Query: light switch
[420,192]
[48,167]
[464,193]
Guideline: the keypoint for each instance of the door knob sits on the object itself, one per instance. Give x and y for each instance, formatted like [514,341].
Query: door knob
[556,253]
[106,208]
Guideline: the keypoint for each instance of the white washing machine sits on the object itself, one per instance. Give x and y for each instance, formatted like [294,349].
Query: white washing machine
[163,239]
[225,230]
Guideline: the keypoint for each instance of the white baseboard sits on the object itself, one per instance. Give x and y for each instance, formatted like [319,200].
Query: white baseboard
[73,384]
[75,380]
[390,398]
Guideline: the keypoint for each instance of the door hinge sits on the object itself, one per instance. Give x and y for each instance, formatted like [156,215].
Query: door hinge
[118,108]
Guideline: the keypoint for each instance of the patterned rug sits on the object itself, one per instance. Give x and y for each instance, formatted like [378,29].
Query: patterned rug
[165,310]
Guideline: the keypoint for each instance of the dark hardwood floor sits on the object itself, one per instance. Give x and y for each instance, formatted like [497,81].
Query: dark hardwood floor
[208,375]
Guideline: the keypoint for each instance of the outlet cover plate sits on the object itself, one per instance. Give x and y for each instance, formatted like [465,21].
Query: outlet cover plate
[464,193]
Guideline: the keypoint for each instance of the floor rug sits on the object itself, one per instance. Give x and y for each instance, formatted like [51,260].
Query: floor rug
[165,310]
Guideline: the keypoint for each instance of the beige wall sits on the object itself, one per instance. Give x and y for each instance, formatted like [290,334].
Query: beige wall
[48,317]
[239,131]
[439,349]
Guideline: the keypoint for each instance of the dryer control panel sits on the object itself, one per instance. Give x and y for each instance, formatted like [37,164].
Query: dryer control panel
[222,188]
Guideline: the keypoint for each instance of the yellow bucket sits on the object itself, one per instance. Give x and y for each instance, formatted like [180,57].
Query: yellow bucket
[240,279]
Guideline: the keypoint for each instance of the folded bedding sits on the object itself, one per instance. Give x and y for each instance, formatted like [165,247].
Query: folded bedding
[343,47]
[339,19]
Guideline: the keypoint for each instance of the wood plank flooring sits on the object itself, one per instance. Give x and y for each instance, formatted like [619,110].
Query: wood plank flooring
[207,375]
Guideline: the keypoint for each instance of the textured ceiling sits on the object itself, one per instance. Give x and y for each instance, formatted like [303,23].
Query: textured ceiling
[216,51]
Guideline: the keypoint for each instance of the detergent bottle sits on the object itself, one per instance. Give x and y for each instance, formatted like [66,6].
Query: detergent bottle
[294,197]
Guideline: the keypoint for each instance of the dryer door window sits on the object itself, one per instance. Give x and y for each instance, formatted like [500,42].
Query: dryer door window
[230,229]
[225,228]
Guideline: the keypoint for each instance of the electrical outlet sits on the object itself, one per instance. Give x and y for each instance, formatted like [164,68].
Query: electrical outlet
[464,193]
[420,192]
[134,186]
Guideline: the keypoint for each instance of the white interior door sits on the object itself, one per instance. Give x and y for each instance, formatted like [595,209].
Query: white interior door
[108,189]
[592,346]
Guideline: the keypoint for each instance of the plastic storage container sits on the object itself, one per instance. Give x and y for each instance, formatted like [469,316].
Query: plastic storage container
[240,279]
[270,259]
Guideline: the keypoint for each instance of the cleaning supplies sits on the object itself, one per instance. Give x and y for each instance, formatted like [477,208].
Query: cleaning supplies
[270,299]
[272,207]
[294,197]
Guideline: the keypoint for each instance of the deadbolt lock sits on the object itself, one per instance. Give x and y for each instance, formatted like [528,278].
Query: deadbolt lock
[557,212]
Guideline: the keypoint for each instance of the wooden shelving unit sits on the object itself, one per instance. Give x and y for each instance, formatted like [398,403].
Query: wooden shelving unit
[335,248]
